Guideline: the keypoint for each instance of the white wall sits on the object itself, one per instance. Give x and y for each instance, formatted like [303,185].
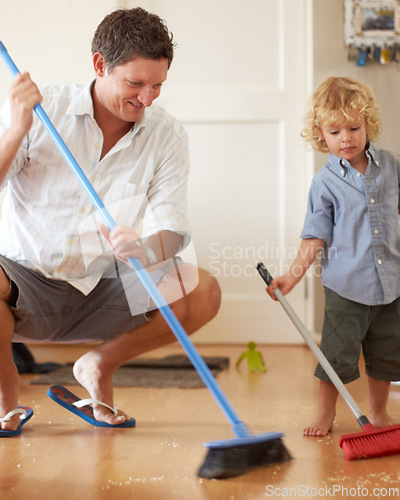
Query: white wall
[331,58]
[238,85]
[50,39]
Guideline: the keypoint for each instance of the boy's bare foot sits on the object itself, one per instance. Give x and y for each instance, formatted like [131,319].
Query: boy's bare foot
[98,382]
[378,399]
[381,419]
[321,427]
[327,410]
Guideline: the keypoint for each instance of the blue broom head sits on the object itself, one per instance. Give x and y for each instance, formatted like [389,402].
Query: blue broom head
[234,457]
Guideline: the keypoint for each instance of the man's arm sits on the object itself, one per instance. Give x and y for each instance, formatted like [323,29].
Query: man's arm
[24,95]
[152,250]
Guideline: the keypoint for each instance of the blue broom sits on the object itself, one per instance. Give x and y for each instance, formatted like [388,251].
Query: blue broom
[227,458]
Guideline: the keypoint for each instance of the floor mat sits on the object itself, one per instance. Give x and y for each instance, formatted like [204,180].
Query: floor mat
[171,371]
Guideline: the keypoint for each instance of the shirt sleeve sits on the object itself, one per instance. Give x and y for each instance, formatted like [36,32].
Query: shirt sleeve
[398,176]
[22,155]
[167,204]
[319,217]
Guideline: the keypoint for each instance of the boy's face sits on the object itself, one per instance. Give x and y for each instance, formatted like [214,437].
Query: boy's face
[347,140]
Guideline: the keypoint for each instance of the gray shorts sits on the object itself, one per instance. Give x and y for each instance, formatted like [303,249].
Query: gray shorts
[349,327]
[47,310]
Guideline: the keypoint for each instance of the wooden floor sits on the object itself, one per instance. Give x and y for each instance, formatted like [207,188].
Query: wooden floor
[59,456]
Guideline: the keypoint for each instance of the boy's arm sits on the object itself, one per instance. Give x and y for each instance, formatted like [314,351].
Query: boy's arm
[306,255]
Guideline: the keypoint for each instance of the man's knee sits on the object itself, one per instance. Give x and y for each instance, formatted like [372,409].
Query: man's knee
[210,292]
[4,285]
[193,293]
[203,303]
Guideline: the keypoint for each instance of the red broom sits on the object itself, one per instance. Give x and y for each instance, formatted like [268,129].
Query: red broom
[373,441]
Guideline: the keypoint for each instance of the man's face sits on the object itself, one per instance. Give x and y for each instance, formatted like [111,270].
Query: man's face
[129,88]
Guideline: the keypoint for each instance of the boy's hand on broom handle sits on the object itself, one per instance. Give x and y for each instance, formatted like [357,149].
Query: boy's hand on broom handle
[306,255]
[285,283]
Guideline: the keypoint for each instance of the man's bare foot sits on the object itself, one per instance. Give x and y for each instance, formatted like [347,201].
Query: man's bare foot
[9,388]
[98,382]
[9,377]
[12,423]
[321,427]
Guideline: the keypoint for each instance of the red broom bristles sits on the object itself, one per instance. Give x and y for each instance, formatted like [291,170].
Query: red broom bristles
[372,442]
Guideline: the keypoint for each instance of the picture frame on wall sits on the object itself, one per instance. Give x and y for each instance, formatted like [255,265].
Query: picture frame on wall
[371,23]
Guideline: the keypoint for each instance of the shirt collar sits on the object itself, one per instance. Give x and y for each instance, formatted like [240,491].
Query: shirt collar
[342,166]
[373,153]
[82,104]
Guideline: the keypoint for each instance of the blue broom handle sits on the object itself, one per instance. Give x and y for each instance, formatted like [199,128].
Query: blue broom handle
[238,426]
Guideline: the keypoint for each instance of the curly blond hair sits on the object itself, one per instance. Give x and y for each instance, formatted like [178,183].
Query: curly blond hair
[340,100]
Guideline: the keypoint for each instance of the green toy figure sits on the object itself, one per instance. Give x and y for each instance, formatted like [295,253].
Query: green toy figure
[254,358]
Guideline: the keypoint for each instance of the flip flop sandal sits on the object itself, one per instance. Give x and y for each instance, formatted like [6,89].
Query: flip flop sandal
[26,414]
[81,407]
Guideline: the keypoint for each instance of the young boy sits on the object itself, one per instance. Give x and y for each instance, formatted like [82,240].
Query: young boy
[353,220]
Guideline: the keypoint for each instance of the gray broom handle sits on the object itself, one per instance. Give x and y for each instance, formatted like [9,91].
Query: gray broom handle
[319,355]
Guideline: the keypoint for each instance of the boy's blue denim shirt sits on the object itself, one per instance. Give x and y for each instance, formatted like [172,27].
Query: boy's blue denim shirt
[358,218]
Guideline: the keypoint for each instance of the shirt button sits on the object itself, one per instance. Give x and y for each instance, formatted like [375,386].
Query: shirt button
[376,231]
[372,200]
[358,174]
[379,261]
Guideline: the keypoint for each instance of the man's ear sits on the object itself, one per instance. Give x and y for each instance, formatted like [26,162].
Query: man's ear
[99,64]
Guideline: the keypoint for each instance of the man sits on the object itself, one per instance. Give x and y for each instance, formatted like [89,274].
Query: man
[57,282]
